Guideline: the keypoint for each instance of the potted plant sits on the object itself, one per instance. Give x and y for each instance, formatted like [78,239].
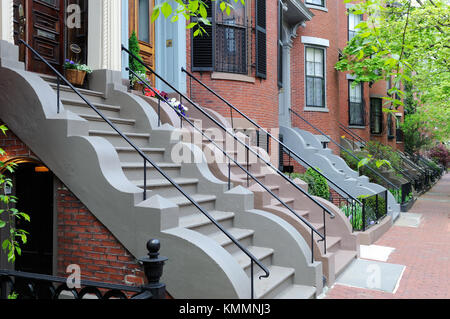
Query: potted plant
[136,83]
[76,72]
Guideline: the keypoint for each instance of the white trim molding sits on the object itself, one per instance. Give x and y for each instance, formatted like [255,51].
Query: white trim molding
[316,41]
[6,20]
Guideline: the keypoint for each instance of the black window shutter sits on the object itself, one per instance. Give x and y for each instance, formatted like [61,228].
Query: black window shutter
[261,39]
[202,45]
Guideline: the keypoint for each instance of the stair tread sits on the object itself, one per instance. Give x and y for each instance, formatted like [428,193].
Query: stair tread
[69,101]
[259,252]
[112,119]
[297,292]
[104,132]
[155,182]
[237,233]
[144,149]
[199,219]
[331,241]
[82,91]
[182,200]
[277,276]
[342,259]
[141,165]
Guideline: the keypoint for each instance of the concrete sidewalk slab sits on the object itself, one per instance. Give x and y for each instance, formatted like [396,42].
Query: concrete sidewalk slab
[374,275]
[375,252]
[409,220]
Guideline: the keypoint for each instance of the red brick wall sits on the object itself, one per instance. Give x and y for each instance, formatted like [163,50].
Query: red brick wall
[257,100]
[81,238]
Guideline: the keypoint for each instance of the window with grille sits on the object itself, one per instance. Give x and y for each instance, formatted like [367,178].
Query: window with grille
[315,77]
[356,105]
[227,46]
[353,21]
[376,116]
[390,127]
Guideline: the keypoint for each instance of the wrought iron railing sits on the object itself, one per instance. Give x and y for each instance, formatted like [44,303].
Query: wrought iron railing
[386,181]
[147,160]
[25,285]
[418,181]
[322,237]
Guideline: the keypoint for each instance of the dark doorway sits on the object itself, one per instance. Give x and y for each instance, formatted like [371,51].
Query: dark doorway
[34,190]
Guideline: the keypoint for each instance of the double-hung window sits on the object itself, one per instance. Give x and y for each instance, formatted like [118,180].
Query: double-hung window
[356,105]
[353,21]
[315,77]
[376,116]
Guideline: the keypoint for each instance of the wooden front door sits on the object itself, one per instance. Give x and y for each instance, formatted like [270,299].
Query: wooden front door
[140,12]
[41,24]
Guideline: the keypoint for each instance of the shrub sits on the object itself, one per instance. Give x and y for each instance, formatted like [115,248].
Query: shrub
[440,154]
[133,47]
[317,184]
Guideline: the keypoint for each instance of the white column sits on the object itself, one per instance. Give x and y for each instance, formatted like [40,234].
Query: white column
[6,20]
[104,35]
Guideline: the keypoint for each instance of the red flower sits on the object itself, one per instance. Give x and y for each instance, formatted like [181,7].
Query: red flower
[150,93]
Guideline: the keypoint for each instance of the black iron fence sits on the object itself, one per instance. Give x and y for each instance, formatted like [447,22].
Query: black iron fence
[23,285]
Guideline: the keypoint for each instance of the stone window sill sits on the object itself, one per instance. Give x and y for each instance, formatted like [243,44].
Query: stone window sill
[357,127]
[311,6]
[232,77]
[316,109]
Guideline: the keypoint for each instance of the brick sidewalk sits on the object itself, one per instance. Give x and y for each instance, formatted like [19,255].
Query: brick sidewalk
[425,251]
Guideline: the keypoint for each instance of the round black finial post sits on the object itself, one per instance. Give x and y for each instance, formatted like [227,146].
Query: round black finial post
[153,269]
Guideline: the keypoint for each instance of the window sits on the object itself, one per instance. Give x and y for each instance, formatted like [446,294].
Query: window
[356,105]
[320,3]
[144,20]
[315,77]
[353,21]
[231,39]
[225,47]
[390,127]
[376,116]
[398,129]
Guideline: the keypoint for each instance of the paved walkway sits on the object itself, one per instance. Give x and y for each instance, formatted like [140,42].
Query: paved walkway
[425,251]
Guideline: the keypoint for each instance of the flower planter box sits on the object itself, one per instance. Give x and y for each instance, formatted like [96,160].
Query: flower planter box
[76,77]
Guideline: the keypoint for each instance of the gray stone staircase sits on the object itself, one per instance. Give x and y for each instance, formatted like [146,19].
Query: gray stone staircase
[281,280]
[342,244]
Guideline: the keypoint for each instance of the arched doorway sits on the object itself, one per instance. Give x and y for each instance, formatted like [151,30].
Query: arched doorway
[33,186]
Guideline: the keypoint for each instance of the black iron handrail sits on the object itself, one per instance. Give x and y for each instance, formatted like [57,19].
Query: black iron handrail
[249,149]
[147,159]
[245,145]
[364,142]
[183,117]
[228,131]
[342,148]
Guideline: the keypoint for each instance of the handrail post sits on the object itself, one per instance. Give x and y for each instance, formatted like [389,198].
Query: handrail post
[364,214]
[145,179]
[153,268]
[252,281]
[57,94]
[324,233]
[312,246]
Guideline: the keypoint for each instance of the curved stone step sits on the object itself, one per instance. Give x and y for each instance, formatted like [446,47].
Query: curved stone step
[279,280]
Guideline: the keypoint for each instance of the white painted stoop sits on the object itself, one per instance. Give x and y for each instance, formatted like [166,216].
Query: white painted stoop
[104,173]
[308,146]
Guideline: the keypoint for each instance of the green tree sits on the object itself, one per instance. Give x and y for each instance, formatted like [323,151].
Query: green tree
[8,214]
[407,41]
[194,11]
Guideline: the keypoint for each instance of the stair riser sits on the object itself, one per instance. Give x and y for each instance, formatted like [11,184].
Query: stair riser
[118,141]
[73,96]
[136,174]
[104,126]
[232,248]
[133,156]
[271,294]
[266,261]
[171,191]
[190,209]
[210,228]
[85,109]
